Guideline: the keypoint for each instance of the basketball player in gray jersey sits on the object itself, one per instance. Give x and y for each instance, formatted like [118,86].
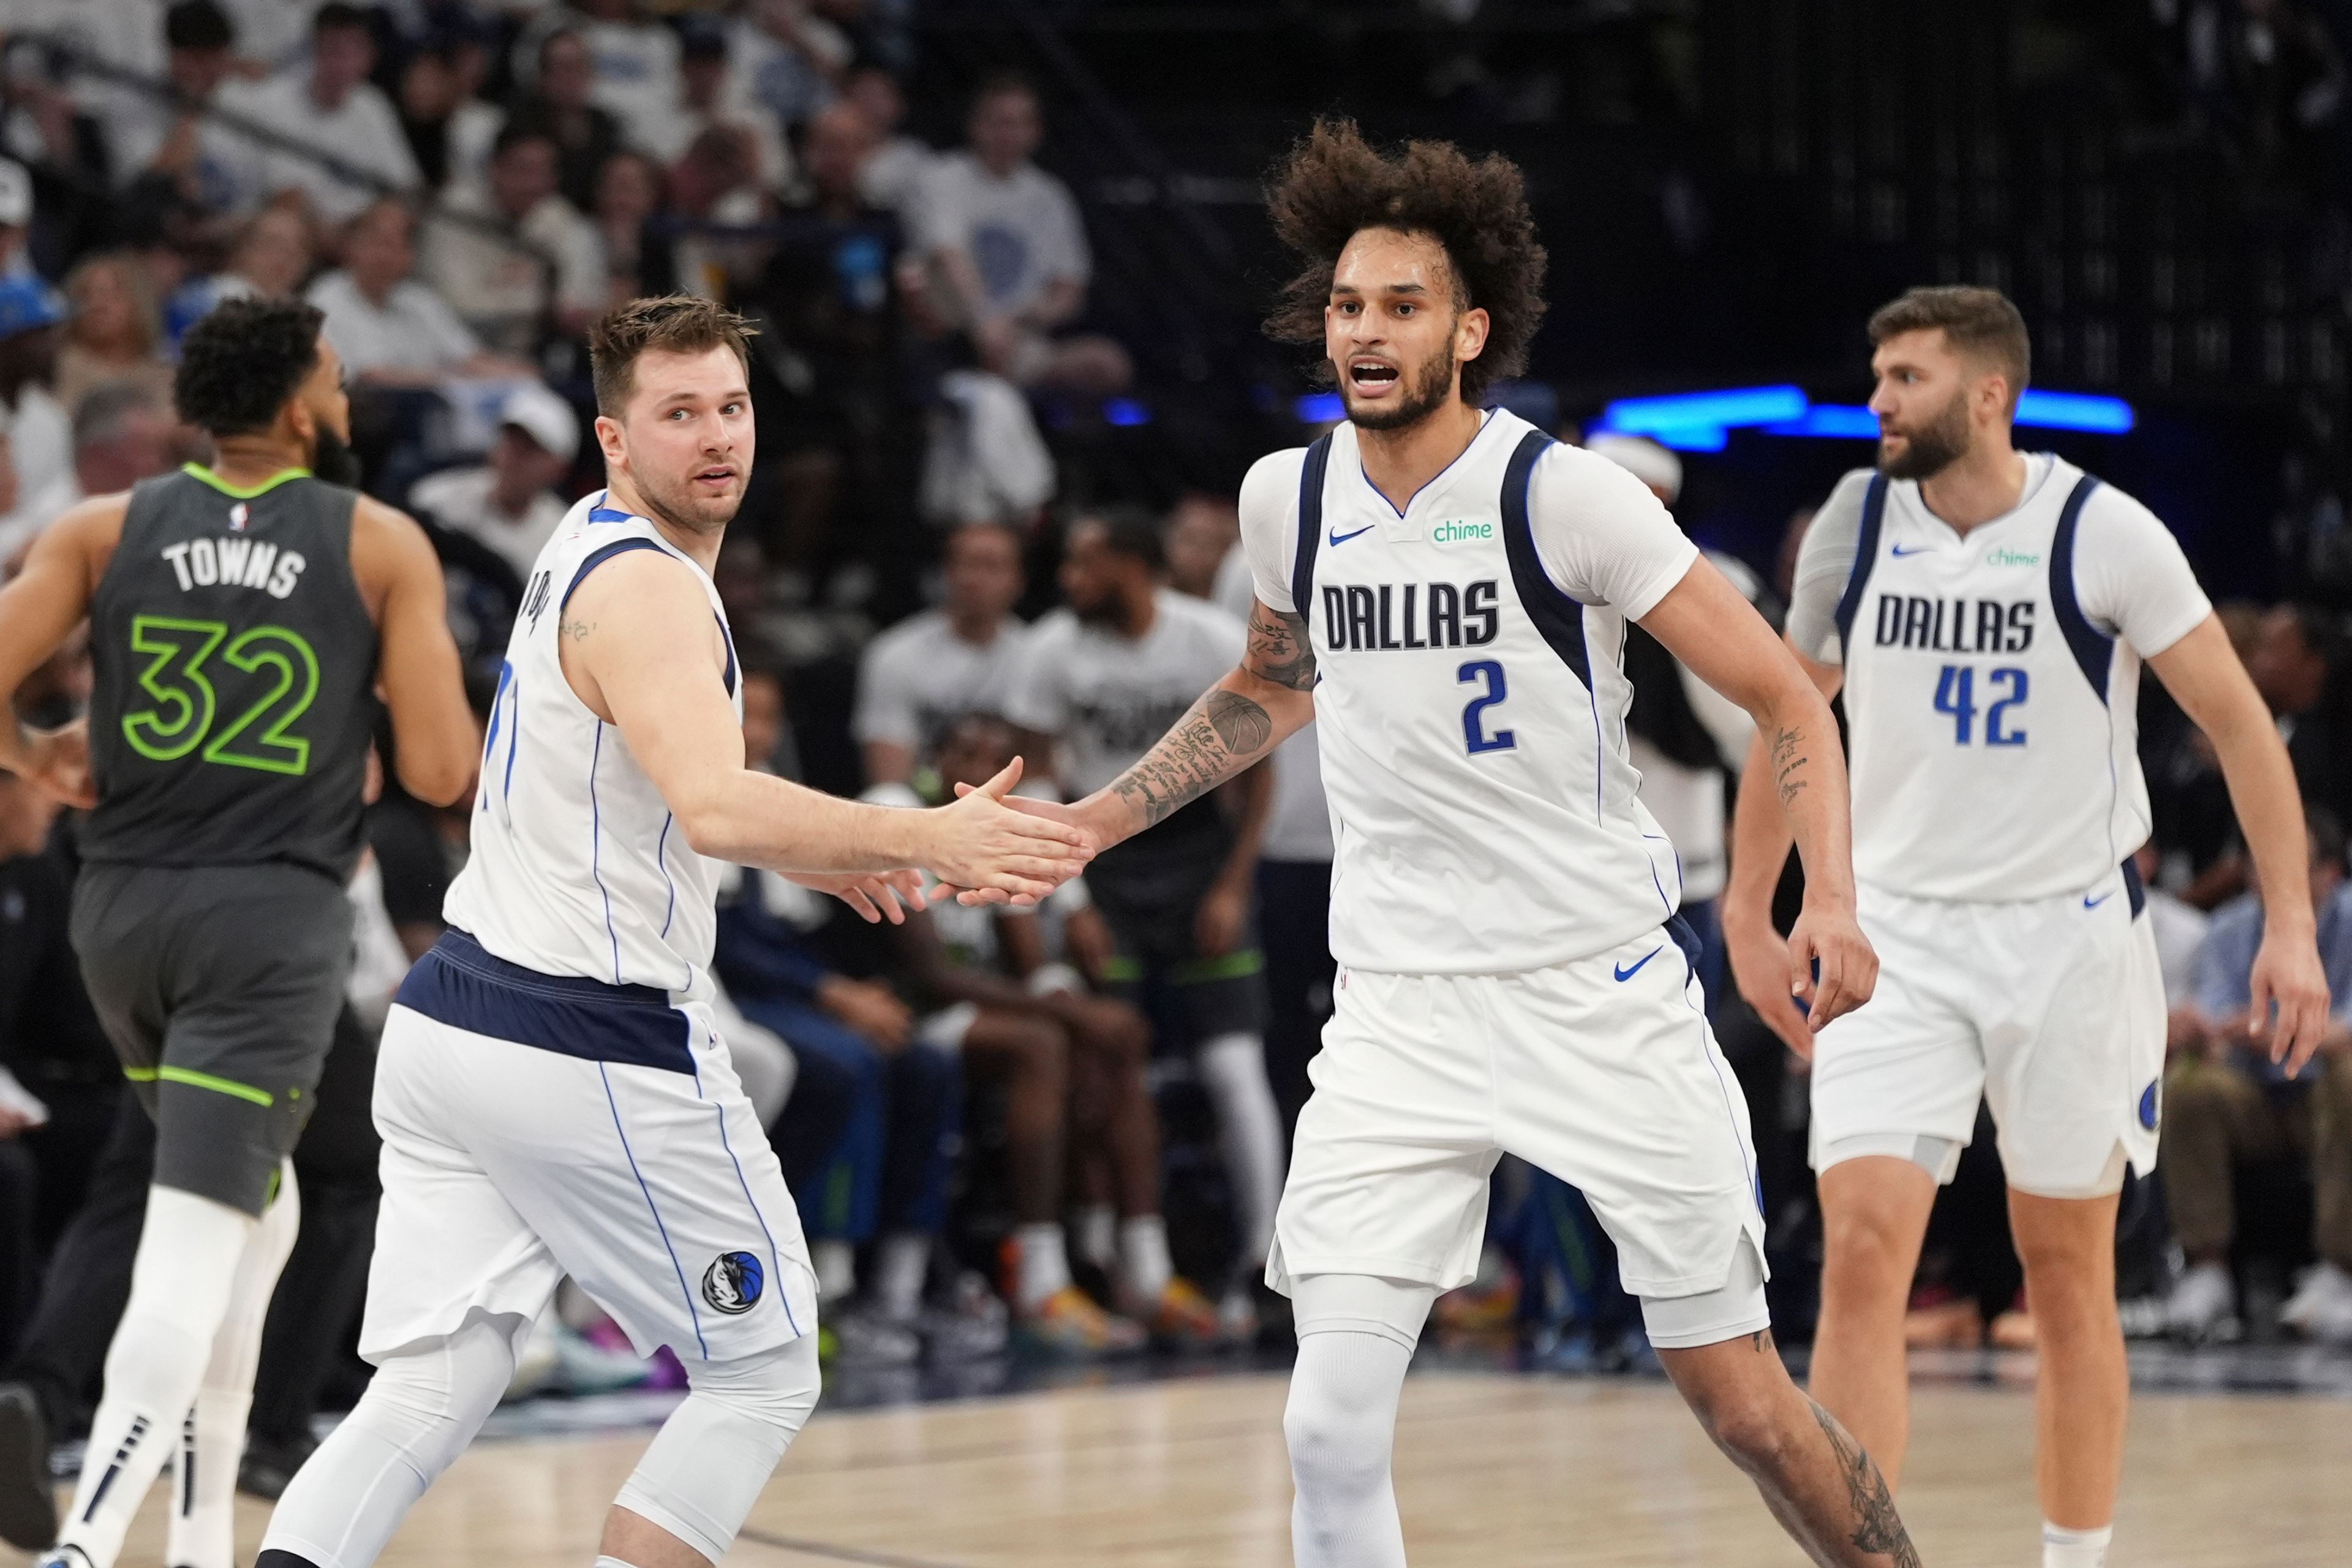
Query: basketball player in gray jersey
[244,617]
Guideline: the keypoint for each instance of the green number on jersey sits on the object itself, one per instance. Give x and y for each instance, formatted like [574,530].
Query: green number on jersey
[187,702]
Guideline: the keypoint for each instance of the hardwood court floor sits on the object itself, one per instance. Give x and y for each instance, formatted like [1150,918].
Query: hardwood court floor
[1491,1472]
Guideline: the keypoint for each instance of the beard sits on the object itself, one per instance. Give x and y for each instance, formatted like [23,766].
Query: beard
[332,459]
[1426,390]
[678,505]
[1931,448]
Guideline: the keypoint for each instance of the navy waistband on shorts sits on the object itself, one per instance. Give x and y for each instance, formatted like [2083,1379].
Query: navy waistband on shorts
[461,984]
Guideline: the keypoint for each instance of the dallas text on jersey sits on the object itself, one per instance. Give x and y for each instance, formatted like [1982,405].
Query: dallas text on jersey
[1436,615]
[1911,621]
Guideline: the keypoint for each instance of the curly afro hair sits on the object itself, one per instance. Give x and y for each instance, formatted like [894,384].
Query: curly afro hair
[1334,183]
[243,360]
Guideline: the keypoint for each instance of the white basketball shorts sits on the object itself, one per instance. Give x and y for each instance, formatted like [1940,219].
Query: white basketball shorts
[2051,1009]
[1602,1071]
[535,1127]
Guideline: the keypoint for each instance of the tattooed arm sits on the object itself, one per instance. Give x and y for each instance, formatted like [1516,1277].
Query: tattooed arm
[1236,723]
[1706,624]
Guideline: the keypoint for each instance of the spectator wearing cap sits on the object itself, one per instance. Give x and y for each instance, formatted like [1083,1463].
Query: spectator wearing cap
[562,106]
[331,107]
[1684,737]
[707,100]
[122,435]
[509,503]
[40,434]
[1005,236]
[389,328]
[503,292]
[173,148]
[114,333]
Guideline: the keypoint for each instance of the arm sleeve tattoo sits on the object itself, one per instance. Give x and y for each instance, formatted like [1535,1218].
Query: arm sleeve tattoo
[1224,732]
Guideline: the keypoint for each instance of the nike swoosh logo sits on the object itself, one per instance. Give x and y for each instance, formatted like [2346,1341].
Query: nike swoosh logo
[2091,903]
[1629,972]
[1343,538]
[1915,550]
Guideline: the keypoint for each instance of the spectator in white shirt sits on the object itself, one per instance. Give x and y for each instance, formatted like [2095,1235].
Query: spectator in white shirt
[893,174]
[635,64]
[207,166]
[274,253]
[335,109]
[509,503]
[1007,239]
[39,433]
[503,290]
[787,58]
[706,100]
[389,328]
[929,670]
[449,130]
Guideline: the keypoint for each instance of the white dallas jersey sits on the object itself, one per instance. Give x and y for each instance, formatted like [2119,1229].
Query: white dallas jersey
[1469,699]
[1992,678]
[577,868]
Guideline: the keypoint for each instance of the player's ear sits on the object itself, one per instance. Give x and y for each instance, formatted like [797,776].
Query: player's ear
[1470,334]
[609,442]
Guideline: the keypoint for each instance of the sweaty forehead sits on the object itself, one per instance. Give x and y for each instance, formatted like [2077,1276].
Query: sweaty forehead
[1382,259]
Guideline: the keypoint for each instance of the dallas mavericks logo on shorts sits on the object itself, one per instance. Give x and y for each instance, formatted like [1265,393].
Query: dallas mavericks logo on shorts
[2147,1100]
[734,1282]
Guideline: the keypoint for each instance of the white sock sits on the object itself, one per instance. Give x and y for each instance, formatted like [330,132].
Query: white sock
[1045,1265]
[211,1441]
[179,1287]
[1249,1131]
[1340,1424]
[1098,1234]
[835,1262]
[1145,1266]
[2063,1548]
[900,1264]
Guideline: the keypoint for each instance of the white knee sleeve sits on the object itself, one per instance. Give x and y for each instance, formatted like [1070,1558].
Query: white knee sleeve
[707,1463]
[1355,1341]
[422,1406]
[1249,1130]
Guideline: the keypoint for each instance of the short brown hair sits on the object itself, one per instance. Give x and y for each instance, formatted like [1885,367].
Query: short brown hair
[672,323]
[1978,323]
[1335,183]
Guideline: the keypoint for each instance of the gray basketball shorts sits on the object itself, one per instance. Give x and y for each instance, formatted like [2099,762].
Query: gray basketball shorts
[219,986]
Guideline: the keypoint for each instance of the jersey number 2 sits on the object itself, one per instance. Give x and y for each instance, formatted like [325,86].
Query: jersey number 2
[1474,716]
[1956,695]
[182,716]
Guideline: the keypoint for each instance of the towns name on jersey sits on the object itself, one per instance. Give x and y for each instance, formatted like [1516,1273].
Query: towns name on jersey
[1396,617]
[1955,625]
[238,563]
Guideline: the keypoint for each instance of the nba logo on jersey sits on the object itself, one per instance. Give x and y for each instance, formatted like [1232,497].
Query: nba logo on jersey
[237,515]
[733,1282]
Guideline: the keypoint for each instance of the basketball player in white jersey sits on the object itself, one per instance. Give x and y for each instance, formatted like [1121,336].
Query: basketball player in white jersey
[1986,612]
[1443,590]
[551,1092]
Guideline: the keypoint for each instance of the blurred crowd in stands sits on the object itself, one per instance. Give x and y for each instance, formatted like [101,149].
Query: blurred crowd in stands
[1063,1126]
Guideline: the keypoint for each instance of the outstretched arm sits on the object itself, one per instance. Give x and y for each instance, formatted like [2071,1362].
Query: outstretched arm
[643,651]
[1269,697]
[40,609]
[2203,674]
[1706,624]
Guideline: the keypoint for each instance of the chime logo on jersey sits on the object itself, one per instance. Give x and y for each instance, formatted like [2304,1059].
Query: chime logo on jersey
[733,1282]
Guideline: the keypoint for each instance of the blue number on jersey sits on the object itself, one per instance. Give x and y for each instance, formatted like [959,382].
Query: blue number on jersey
[1956,695]
[1474,716]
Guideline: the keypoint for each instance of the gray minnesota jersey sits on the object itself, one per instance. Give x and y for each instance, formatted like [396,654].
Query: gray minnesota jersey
[1993,678]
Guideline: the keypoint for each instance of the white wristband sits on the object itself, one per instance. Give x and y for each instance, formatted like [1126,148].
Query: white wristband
[1049,978]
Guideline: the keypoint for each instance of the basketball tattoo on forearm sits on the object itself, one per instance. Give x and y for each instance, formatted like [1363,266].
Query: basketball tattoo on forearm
[1224,732]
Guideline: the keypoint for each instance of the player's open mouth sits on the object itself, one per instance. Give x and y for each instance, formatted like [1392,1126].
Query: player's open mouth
[715,477]
[1370,374]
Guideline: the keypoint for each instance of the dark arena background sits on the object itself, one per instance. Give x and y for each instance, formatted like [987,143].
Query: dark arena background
[1009,262]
